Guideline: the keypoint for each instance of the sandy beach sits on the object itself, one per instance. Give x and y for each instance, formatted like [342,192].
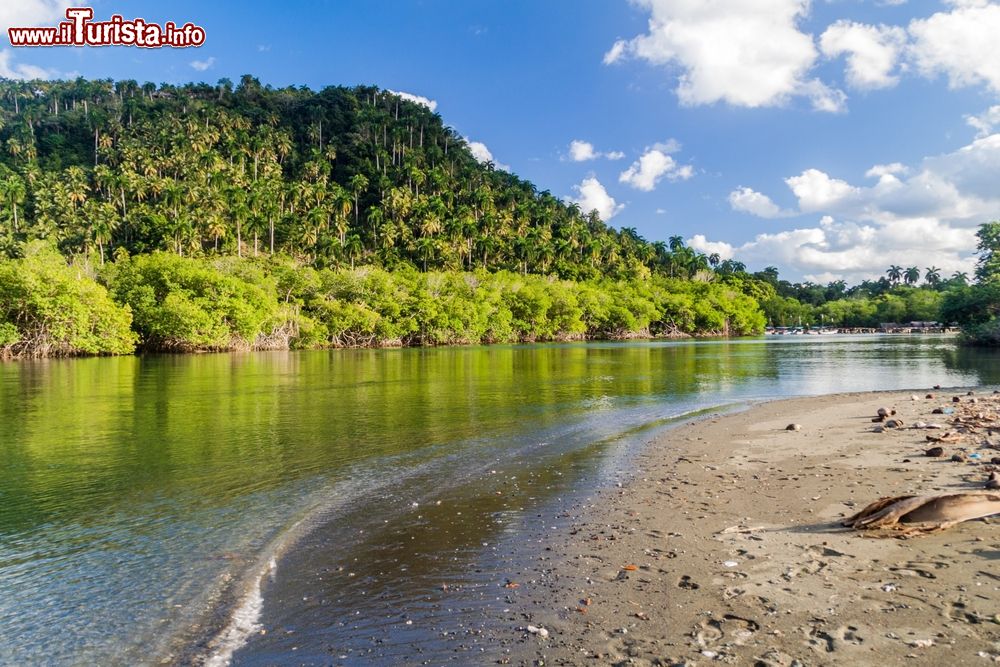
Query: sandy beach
[726,546]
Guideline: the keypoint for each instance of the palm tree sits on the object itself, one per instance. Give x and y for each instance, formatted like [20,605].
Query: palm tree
[933,275]
[358,185]
[960,277]
[895,274]
[353,247]
[14,192]
[911,275]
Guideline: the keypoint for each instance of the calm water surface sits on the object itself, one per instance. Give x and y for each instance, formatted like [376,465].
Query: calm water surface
[142,498]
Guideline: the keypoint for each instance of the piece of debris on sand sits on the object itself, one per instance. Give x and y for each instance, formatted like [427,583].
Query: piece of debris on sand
[905,516]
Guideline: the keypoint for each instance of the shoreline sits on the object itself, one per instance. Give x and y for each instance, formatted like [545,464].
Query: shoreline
[635,337]
[725,546]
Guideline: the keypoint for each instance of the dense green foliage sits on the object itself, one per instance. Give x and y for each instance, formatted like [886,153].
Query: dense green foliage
[50,308]
[893,298]
[977,307]
[184,303]
[251,218]
[336,178]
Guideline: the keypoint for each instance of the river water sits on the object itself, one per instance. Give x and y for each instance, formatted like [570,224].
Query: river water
[359,507]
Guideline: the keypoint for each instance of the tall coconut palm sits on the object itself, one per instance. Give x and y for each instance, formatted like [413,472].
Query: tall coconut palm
[895,274]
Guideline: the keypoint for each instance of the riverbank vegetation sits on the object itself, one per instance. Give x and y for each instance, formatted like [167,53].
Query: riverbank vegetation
[200,217]
[242,217]
[977,307]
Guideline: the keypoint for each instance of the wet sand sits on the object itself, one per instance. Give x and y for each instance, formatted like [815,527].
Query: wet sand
[726,546]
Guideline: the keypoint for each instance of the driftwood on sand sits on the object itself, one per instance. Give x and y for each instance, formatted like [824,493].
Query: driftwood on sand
[904,516]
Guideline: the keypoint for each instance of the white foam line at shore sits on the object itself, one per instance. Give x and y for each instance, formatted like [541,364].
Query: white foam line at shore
[244,622]
[245,619]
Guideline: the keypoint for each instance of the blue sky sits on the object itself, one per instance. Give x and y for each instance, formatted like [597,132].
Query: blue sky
[829,138]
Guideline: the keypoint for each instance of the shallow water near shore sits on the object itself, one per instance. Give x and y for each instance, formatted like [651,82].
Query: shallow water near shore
[375,500]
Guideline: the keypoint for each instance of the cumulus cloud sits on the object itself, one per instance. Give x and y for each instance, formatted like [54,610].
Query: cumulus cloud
[816,190]
[985,122]
[872,52]
[924,215]
[12,70]
[852,251]
[202,65]
[654,165]
[418,99]
[27,13]
[749,53]
[592,196]
[960,44]
[750,201]
[483,154]
[581,151]
[752,53]
[887,173]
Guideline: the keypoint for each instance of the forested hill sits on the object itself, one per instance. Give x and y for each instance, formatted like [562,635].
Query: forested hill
[336,178]
[217,217]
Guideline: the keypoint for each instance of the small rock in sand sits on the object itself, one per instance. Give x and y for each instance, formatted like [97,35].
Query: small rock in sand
[959,457]
[935,451]
[993,483]
[541,632]
[794,427]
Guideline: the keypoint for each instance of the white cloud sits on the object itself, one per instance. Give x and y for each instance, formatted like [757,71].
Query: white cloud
[823,97]
[27,13]
[653,165]
[11,70]
[202,65]
[752,53]
[418,99]
[750,201]
[702,244]
[484,155]
[747,53]
[923,215]
[591,196]
[872,51]
[816,190]
[887,173]
[581,151]
[961,44]
[985,122]
[852,251]
[616,52]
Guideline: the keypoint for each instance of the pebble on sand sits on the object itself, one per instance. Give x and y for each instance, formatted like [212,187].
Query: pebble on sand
[794,427]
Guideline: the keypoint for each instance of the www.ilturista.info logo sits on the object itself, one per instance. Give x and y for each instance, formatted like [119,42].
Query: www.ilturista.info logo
[80,30]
